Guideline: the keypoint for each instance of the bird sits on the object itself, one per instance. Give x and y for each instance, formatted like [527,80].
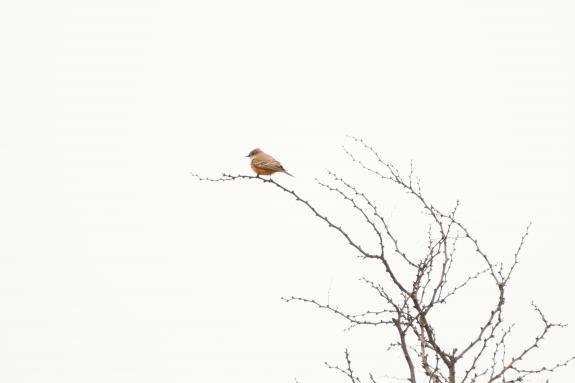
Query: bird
[264,164]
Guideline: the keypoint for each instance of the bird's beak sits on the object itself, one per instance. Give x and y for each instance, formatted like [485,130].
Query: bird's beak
[248,155]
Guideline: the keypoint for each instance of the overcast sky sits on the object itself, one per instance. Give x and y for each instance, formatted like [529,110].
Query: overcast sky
[117,266]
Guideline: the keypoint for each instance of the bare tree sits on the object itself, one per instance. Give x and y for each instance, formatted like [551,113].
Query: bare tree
[422,283]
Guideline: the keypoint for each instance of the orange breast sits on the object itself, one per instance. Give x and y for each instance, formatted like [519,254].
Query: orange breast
[262,171]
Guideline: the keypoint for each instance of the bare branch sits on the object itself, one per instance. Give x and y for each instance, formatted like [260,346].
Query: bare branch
[511,365]
[354,319]
[347,371]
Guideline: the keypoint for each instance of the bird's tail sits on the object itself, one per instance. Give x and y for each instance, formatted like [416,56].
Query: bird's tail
[289,174]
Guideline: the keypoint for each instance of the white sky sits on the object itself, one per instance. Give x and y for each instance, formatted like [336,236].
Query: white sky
[117,266]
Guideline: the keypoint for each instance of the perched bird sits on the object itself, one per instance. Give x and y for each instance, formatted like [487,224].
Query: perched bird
[264,164]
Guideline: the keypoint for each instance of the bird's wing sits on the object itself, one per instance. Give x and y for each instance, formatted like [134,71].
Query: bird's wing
[267,162]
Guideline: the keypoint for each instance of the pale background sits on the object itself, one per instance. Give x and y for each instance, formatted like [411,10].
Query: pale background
[117,266]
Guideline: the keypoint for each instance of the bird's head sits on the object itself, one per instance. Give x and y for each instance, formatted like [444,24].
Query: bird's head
[254,152]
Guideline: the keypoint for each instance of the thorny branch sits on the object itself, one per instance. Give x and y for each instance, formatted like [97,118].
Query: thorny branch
[484,357]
